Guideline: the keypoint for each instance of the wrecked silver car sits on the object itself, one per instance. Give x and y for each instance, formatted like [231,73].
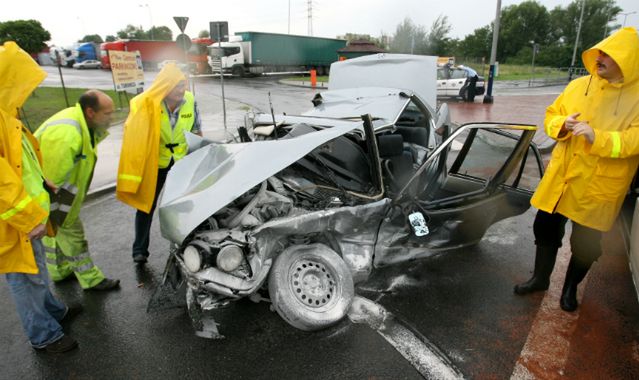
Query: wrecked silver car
[307,206]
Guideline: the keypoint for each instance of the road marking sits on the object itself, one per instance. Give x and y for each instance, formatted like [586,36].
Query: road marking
[546,350]
[427,359]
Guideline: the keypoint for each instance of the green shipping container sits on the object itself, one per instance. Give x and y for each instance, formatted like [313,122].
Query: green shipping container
[287,49]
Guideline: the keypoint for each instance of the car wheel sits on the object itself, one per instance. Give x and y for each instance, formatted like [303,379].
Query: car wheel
[464,93]
[311,287]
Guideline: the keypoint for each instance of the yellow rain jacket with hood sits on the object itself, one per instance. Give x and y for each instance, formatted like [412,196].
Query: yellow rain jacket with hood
[587,183]
[20,210]
[138,170]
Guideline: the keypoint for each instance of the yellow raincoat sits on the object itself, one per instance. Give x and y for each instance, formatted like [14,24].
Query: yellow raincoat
[138,170]
[587,183]
[19,213]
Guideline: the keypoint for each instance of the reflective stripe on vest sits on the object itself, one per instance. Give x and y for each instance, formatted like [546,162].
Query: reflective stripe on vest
[172,141]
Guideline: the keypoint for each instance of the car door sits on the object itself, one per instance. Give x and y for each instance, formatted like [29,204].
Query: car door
[481,174]
[442,82]
[456,82]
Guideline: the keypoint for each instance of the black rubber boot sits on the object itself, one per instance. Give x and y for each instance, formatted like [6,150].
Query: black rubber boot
[544,263]
[574,275]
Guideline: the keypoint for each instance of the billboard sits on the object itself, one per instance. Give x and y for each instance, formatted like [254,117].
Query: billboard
[126,67]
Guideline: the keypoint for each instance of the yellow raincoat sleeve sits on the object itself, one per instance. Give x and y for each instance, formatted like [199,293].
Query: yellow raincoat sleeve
[620,144]
[17,208]
[556,116]
[59,147]
[137,129]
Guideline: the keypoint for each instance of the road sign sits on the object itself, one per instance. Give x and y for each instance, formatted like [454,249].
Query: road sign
[183,41]
[181,22]
[219,30]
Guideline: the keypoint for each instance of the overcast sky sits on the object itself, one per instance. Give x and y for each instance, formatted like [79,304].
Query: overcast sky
[70,20]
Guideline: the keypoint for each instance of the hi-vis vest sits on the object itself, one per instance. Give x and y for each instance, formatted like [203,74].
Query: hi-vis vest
[62,135]
[172,140]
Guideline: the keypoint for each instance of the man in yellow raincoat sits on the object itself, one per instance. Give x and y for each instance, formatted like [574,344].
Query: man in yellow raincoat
[153,140]
[596,124]
[24,209]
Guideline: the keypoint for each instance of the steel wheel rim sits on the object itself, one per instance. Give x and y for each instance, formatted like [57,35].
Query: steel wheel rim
[313,283]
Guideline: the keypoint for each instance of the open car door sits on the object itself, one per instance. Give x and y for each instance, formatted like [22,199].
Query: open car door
[481,174]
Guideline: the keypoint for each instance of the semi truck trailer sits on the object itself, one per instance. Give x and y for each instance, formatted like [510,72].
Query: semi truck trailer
[257,53]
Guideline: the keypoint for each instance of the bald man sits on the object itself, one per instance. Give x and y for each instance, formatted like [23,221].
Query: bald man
[68,141]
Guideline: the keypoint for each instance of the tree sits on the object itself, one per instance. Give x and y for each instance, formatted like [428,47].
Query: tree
[409,38]
[110,38]
[477,44]
[204,34]
[438,40]
[521,24]
[132,32]
[160,33]
[95,38]
[28,34]
[597,15]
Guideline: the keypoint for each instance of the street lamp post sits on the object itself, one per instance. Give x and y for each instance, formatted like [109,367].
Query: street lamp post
[147,6]
[488,98]
[535,48]
[625,15]
[574,52]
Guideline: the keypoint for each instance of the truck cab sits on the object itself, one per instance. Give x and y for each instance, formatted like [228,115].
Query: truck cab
[235,56]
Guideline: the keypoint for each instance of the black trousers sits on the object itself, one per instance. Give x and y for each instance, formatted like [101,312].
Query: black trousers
[472,89]
[585,242]
[143,220]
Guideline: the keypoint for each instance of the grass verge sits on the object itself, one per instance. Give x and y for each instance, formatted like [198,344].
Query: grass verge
[44,102]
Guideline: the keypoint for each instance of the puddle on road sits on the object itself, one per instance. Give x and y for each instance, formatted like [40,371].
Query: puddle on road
[424,356]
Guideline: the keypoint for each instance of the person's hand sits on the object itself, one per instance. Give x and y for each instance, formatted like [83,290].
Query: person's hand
[584,129]
[571,121]
[38,232]
[51,185]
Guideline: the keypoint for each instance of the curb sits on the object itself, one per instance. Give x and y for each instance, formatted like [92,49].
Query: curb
[101,191]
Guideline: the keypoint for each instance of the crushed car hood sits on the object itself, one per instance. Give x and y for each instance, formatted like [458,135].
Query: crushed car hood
[381,103]
[208,179]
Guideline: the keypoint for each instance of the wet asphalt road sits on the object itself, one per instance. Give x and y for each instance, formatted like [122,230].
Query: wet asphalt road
[461,301]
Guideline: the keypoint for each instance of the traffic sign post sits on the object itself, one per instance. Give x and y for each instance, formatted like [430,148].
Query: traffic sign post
[181,22]
[219,31]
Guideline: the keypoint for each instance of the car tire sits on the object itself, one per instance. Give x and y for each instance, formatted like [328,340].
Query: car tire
[464,93]
[310,286]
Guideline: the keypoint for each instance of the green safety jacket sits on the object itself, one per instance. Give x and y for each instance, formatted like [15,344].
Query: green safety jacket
[172,141]
[69,155]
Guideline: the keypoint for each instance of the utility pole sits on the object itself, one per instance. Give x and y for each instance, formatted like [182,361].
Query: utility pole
[310,17]
[625,15]
[571,70]
[147,6]
[488,98]
[289,16]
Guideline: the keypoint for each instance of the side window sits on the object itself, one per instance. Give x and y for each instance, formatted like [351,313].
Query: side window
[528,175]
[483,159]
[458,74]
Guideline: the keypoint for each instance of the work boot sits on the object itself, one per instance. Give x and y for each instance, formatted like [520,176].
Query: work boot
[544,263]
[72,312]
[106,284]
[574,275]
[64,344]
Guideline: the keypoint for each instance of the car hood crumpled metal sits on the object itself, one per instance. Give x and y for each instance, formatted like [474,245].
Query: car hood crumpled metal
[208,179]
[379,102]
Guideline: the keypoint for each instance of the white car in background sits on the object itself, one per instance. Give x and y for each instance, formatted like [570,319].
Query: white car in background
[454,83]
[88,64]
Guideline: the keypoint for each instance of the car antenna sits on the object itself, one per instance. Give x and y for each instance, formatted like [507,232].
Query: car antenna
[272,115]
